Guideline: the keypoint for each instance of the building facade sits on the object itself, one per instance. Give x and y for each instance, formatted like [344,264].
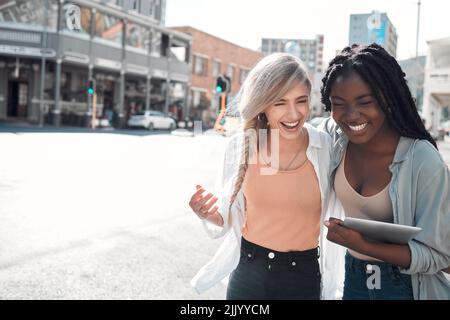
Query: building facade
[436,96]
[50,49]
[153,9]
[414,69]
[211,57]
[373,27]
[310,51]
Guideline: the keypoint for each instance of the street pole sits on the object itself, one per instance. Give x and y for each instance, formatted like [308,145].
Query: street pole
[418,25]
[223,109]
[418,67]
[94,109]
[43,52]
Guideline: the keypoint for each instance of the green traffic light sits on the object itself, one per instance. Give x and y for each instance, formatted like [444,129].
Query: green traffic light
[219,89]
[91,91]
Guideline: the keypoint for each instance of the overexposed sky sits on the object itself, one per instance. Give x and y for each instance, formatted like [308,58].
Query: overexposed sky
[245,22]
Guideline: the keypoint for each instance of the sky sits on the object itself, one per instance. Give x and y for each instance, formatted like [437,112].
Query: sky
[246,22]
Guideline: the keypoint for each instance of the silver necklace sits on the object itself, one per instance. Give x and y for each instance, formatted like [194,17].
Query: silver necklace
[295,157]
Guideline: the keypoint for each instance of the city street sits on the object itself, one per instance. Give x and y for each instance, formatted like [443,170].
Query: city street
[105,216]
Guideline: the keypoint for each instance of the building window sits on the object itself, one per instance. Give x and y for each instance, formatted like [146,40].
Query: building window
[199,100]
[179,50]
[135,5]
[108,28]
[200,66]
[216,69]
[137,36]
[230,72]
[265,45]
[156,44]
[30,13]
[242,75]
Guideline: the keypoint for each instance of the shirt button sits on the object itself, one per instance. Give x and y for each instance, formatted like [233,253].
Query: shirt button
[271,255]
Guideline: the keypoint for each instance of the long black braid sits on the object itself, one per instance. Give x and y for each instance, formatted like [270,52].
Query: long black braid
[386,79]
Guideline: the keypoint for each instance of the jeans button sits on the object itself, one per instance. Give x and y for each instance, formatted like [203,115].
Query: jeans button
[271,255]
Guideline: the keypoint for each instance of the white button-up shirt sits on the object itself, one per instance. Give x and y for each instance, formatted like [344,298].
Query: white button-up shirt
[227,256]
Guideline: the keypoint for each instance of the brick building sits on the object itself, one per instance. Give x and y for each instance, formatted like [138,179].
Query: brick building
[212,56]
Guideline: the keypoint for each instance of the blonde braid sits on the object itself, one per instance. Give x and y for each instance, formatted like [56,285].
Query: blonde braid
[243,166]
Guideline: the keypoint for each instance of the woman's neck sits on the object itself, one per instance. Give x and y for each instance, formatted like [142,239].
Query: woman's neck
[385,142]
[289,145]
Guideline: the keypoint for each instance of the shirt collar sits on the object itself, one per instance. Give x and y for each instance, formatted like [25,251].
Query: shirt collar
[314,137]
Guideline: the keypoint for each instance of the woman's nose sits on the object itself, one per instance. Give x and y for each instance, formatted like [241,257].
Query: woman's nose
[352,114]
[293,110]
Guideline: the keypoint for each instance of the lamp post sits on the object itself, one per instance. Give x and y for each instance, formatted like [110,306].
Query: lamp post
[43,53]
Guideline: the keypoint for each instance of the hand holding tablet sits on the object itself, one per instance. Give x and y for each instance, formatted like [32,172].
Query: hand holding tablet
[382,231]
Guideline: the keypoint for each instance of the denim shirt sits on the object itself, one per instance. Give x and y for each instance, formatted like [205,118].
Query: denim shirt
[227,256]
[420,196]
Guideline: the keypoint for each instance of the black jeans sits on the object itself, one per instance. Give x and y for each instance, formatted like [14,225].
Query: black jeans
[265,274]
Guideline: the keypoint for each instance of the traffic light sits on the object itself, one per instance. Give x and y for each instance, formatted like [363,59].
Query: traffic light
[223,84]
[91,87]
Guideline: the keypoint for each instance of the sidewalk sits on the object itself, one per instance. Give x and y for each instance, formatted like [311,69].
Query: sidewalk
[25,127]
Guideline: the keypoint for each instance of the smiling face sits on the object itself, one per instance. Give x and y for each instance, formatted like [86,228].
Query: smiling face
[355,109]
[289,113]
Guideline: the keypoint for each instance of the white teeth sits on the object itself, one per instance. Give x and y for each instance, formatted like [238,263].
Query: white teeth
[358,128]
[291,124]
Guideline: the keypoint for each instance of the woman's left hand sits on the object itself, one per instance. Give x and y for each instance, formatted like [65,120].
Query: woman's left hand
[343,236]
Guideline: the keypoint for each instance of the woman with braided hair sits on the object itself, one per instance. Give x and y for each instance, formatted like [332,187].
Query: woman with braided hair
[273,195]
[385,167]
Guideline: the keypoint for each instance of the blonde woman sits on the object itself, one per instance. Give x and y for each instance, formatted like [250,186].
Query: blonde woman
[273,195]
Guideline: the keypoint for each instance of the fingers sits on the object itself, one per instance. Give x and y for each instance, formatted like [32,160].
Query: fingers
[203,205]
[196,197]
[202,201]
[336,232]
[198,193]
[209,205]
[336,220]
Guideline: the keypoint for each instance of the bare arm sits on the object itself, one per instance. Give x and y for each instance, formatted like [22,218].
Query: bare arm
[396,254]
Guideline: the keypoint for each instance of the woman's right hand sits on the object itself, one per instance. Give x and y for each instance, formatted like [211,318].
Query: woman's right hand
[203,206]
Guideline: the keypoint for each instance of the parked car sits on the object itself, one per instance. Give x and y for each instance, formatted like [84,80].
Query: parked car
[151,120]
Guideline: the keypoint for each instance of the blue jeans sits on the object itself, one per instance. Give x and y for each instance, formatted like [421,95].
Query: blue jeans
[374,280]
[265,274]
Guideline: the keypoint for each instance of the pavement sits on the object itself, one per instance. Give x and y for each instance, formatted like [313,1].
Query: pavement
[105,216]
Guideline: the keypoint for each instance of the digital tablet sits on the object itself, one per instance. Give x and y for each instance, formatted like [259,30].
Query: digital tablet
[382,231]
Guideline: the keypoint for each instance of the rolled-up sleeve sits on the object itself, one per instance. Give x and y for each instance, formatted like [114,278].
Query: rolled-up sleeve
[430,250]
